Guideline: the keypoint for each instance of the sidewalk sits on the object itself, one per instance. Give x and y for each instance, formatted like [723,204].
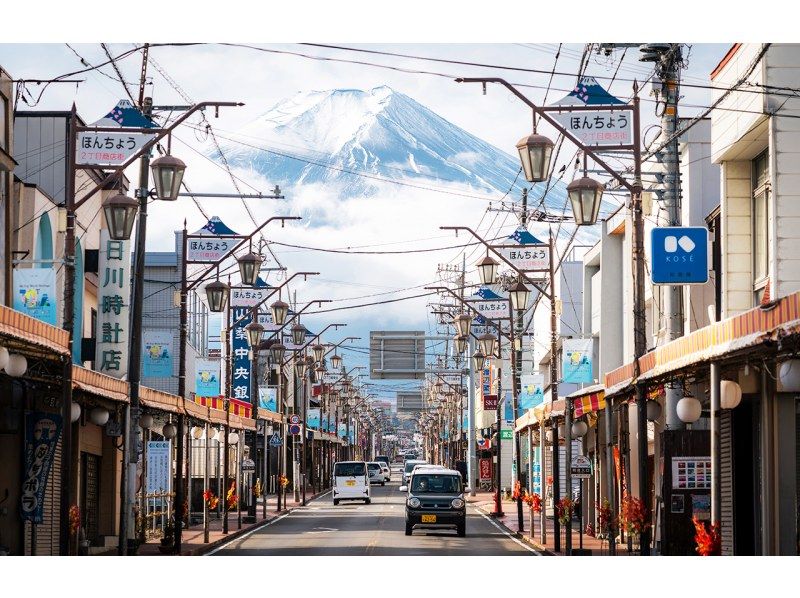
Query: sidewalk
[192,539]
[484,501]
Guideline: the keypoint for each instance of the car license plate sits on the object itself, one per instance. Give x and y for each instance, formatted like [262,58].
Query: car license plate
[429,519]
[350,483]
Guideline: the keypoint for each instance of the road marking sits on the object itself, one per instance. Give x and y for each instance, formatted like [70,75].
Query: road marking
[321,530]
[506,532]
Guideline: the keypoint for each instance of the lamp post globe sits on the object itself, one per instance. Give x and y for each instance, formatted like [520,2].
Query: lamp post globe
[298,334]
[463,322]
[167,176]
[249,267]
[460,344]
[487,268]
[120,212]
[279,310]
[276,353]
[478,360]
[519,294]
[585,194]
[336,362]
[217,293]
[254,331]
[487,342]
[534,154]
[300,368]
[319,352]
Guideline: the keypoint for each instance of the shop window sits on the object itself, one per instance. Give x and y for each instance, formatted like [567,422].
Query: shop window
[761,219]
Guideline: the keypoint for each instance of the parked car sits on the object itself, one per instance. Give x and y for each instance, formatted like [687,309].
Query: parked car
[435,499]
[350,481]
[375,473]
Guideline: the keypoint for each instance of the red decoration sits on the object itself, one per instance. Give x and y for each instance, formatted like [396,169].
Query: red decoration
[211,499]
[231,499]
[518,492]
[534,501]
[707,538]
[74,519]
[634,515]
[564,510]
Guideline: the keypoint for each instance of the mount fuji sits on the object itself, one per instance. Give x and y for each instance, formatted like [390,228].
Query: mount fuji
[359,141]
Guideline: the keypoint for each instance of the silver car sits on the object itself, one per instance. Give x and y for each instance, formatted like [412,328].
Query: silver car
[375,472]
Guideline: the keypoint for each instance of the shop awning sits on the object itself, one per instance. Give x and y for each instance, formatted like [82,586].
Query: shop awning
[587,400]
[269,415]
[539,413]
[99,384]
[22,327]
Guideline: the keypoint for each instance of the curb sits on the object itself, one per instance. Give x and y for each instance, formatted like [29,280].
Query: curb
[523,537]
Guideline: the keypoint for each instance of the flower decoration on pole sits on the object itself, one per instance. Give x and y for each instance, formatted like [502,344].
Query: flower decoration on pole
[605,520]
[74,520]
[211,499]
[633,516]
[284,481]
[518,492]
[231,499]
[564,508]
[707,538]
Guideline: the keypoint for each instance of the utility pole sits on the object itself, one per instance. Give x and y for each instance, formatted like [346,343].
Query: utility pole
[517,372]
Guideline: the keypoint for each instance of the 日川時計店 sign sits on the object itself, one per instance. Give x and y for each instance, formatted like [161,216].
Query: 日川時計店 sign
[113,300]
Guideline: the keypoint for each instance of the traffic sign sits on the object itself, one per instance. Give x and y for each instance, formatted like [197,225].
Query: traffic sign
[275,440]
[679,254]
[248,465]
[484,444]
[294,429]
[581,468]
[294,419]
[489,402]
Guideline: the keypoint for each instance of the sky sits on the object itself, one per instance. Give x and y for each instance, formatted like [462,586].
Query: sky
[398,218]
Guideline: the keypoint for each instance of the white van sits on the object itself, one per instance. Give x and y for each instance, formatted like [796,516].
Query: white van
[350,481]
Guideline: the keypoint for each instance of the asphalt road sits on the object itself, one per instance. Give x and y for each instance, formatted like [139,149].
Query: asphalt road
[355,529]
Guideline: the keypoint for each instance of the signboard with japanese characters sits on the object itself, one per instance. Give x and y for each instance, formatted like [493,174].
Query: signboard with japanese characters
[42,431]
[113,302]
[205,250]
[110,148]
[240,371]
[490,402]
[35,293]
[598,127]
[248,296]
[157,353]
[491,310]
[207,377]
[527,258]
[158,466]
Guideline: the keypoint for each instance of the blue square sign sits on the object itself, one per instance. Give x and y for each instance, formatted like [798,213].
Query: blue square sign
[679,254]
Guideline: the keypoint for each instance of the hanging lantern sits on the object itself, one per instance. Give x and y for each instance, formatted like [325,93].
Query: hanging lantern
[487,342]
[460,344]
[217,293]
[336,362]
[298,334]
[534,154]
[478,360]
[319,352]
[120,212]
[254,331]
[249,267]
[300,368]
[585,194]
[579,428]
[233,438]
[463,322]
[17,365]
[276,353]
[167,176]
[730,394]
[74,412]
[146,421]
[3,358]
[197,432]
[689,410]
[653,410]
[279,310]
[99,416]
[519,294]
[487,269]
[789,376]
[169,431]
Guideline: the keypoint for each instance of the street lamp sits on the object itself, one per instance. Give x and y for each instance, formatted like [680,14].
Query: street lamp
[279,310]
[276,352]
[254,331]
[249,267]
[461,344]
[585,194]
[478,360]
[487,342]
[217,294]
[336,362]
[487,268]
[318,351]
[519,294]
[462,323]
[298,334]
[120,211]
[534,153]
[300,368]
[167,176]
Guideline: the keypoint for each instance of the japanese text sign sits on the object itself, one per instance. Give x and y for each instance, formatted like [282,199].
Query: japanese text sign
[598,127]
[41,436]
[159,470]
[113,303]
[241,370]
[527,258]
[207,249]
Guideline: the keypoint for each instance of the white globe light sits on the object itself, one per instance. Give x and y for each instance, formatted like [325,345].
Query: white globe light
[689,410]
[146,421]
[788,374]
[197,432]
[75,412]
[17,365]
[3,358]
[730,394]
[653,410]
[233,438]
[99,416]
[169,431]
[579,429]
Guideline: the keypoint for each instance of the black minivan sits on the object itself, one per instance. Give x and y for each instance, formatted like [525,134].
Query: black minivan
[435,500]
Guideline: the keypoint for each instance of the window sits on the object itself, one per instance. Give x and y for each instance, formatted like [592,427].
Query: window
[3,122]
[761,219]
[349,469]
[437,484]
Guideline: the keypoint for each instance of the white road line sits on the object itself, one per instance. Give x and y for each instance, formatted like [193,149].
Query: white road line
[252,531]
[507,533]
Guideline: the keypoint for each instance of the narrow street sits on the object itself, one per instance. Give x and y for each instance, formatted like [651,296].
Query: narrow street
[356,529]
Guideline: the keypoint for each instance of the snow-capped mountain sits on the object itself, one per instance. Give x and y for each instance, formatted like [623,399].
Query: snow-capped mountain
[361,139]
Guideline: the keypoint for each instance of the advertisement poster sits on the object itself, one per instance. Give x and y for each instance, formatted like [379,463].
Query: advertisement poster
[207,373]
[35,293]
[268,398]
[42,431]
[577,361]
[157,353]
[158,466]
[532,392]
[312,418]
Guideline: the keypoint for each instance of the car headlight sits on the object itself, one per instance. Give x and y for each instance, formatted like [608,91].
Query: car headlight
[413,502]
[457,503]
